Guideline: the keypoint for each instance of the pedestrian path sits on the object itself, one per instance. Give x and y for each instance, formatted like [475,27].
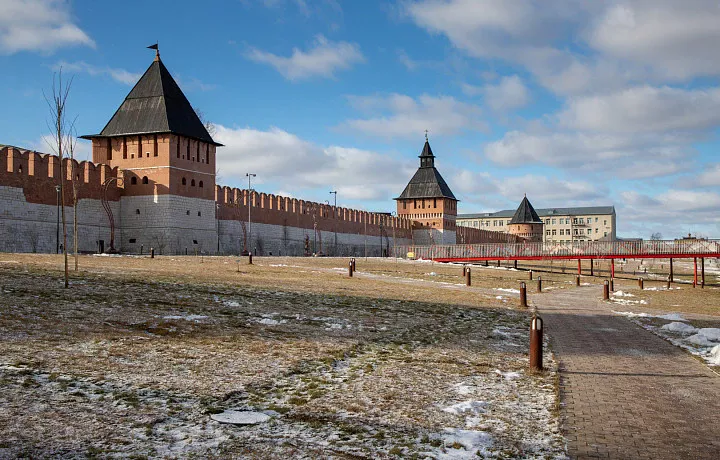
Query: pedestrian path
[627,393]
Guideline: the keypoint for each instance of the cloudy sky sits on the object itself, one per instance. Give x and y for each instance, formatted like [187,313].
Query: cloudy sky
[573,102]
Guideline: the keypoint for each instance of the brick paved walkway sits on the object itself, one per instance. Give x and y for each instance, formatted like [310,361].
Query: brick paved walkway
[628,394]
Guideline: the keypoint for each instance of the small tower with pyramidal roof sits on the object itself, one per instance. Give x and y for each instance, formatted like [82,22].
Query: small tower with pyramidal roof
[429,203]
[526,223]
[166,159]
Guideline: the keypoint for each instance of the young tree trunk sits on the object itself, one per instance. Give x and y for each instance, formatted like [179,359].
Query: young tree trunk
[75,223]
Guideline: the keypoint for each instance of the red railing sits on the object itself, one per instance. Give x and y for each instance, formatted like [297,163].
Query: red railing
[575,250]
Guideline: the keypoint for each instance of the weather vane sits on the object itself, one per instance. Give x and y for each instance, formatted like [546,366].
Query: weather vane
[426,134]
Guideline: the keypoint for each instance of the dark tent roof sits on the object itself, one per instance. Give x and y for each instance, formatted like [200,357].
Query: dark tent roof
[156,104]
[427,181]
[525,214]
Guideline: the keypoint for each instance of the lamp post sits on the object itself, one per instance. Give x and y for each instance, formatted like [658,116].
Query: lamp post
[217,226]
[249,203]
[57,228]
[393,214]
[335,223]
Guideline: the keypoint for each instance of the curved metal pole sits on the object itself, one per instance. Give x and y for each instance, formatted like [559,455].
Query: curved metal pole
[108,209]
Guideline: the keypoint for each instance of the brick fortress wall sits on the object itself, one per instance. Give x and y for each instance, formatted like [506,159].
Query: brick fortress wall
[28,201]
[282,225]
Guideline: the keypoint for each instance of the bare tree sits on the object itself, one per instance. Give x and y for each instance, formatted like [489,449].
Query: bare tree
[656,236]
[209,125]
[59,130]
[71,142]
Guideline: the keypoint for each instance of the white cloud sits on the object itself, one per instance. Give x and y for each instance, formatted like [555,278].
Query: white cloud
[682,210]
[626,156]
[710,177]
[38,25]
[323,59]
[677,39]
[644,109]
[278,156]
[509,93]
[119,75]
[399,115]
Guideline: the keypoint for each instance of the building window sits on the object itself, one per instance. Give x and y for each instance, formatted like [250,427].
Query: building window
[137,211]
[201,184]
[547,232]
[199,214]
[133,181]
[605,234]
[604,222]
[192,183]
[184,181]
[147,154]
[133,240]
[596,219]
[187,213]
[404,204]
[145,180]
[553,221]
[581,220]
[597,230]
[554,232]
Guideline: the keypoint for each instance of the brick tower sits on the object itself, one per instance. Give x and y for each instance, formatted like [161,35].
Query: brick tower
[526,223]
[167,158]
[429,203]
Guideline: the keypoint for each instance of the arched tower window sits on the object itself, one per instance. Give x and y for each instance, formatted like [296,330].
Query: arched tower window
[145,180]
[133,181]
[184,181]
[192,183]
[201,184]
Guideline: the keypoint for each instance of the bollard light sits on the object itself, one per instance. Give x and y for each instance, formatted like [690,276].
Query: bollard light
[353,264]
[152,253]
[539,284]
[468,278]
[530,275]
[249,258]
[612,284]
[606,290]
[536,341]
[350,269]
[640,283]
[668,283]
[577,280]
[464,270]
[523,295]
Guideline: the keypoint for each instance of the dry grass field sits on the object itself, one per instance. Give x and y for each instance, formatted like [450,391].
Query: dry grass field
[402,360]
[135,357]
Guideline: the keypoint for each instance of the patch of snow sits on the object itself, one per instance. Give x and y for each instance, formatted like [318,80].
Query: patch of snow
[511,291]
[710,333]
[237,417]
[467,407]
[508,375]
[680,327]
[231,303]
[714,357]
[474,444]
[271,322]
[431,274]
[701,340]
[622,294]
[196,318]
[672,317]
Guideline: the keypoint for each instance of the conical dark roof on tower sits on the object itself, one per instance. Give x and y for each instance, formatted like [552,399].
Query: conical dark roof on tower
[155,105]
[525,214]
[427,181]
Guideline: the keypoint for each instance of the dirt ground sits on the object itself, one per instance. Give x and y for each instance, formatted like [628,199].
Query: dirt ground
[402,360]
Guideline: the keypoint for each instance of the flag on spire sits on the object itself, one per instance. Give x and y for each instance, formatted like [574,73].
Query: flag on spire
[153,47]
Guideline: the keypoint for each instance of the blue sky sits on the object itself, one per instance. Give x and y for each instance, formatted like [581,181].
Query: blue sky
[572,102]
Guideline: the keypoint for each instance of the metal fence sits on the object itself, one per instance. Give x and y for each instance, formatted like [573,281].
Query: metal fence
[574,250]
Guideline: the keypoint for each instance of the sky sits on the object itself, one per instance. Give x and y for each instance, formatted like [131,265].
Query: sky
[574,103]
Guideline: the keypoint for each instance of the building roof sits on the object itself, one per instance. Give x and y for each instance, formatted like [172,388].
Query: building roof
[427,181]
[525,214]
[156,104]
[547,212]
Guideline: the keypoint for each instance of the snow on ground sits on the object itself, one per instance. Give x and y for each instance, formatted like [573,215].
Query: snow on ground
[621,294]
[196,318]
[510,290]
[702,342]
